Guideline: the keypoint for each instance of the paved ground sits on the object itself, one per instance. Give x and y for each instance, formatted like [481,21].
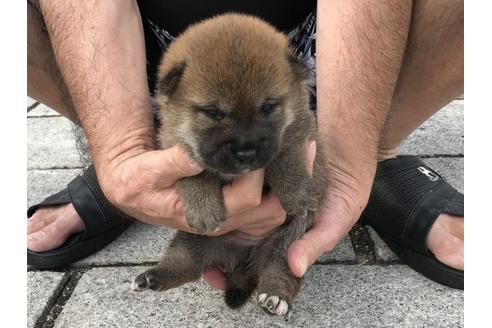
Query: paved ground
[361,283]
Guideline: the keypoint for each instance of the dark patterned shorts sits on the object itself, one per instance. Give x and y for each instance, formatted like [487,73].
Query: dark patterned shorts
[302,39]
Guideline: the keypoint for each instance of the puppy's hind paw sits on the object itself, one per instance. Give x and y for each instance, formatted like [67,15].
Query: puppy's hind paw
[146,280]
[273,304]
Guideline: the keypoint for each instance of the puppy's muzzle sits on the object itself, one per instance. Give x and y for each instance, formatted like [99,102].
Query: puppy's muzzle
[245,154]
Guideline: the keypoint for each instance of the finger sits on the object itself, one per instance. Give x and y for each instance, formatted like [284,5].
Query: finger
[161,208]
[303,252]
[172,164]
[269,214]
[243,193]
[311,155]
[214,277]
[330,226]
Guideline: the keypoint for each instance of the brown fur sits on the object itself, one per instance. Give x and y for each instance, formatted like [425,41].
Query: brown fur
[235,64]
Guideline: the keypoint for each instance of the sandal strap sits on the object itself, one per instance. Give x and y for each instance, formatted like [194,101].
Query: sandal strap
[441,198]
[61,197]
[414,195]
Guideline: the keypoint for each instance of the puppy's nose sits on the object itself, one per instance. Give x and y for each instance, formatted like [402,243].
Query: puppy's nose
[245,155]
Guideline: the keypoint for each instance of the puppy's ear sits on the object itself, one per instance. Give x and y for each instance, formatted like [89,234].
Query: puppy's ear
[300,71]
[169,83]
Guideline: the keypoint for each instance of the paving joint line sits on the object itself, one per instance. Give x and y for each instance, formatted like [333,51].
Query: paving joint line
[87,267]
[378,263]
[441,156]
[117,265]
[30,108]
[363,245]
[52,168]
[59,298]
[43,116]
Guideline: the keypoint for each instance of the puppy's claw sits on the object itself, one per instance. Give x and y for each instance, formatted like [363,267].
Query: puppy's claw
[140,283]
[282,308]
[262,297]
[273,304]
[147,280]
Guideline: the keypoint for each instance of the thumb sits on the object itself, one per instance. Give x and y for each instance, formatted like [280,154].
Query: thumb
[173,164]
[304,252]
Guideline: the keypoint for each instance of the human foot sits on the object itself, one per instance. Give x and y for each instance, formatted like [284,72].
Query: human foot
[406,208]
[446,236]
[80,207]
[49,227]
[446,240]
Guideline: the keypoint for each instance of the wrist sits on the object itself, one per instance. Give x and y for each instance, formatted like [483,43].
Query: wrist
[121,145]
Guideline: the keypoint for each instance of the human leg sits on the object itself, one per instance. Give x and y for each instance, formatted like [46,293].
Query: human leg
[431,76]
[49,227]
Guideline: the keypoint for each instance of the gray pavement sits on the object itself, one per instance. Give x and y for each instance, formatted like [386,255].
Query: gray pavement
[360,283]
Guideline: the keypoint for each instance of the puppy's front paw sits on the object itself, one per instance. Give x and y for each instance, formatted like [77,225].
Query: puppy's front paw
[273,304]
[298,202]
[205,219]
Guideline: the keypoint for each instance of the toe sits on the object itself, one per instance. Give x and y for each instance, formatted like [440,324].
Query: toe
[446,241]
[41,218]
[50,231]
[49,237]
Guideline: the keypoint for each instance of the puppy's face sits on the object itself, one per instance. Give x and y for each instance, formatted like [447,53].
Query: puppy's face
[232,93]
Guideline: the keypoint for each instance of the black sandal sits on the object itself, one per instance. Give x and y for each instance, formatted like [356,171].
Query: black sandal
[103,222]
[406,199]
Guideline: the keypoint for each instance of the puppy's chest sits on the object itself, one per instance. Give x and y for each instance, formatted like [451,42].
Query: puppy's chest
[228,178]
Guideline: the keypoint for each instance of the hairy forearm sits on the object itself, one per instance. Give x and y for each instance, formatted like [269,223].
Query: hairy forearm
[99,47]
[360,46]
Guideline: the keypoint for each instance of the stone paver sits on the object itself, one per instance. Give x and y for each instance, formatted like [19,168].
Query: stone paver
[42,110]
[31,102]
[342,252]
[383,252]
[339,293]
[40,288]
[140,243]
[146,243]
[50,143]
[441,134]
[451,169]
[43,183]
[332,296]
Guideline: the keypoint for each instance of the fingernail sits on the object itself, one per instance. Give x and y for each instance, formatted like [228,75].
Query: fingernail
[302,265]
[312,149]
[36,236]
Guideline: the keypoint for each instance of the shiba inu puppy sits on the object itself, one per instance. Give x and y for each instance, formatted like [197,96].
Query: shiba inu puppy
[233,94]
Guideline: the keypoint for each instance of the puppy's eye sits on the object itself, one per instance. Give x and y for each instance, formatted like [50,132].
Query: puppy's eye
[267,108]
[214,114]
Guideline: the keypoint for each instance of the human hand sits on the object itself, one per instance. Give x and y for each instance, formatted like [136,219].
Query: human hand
[258,225]
[143,186]
[250,212]
[354,92]
[347,196]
